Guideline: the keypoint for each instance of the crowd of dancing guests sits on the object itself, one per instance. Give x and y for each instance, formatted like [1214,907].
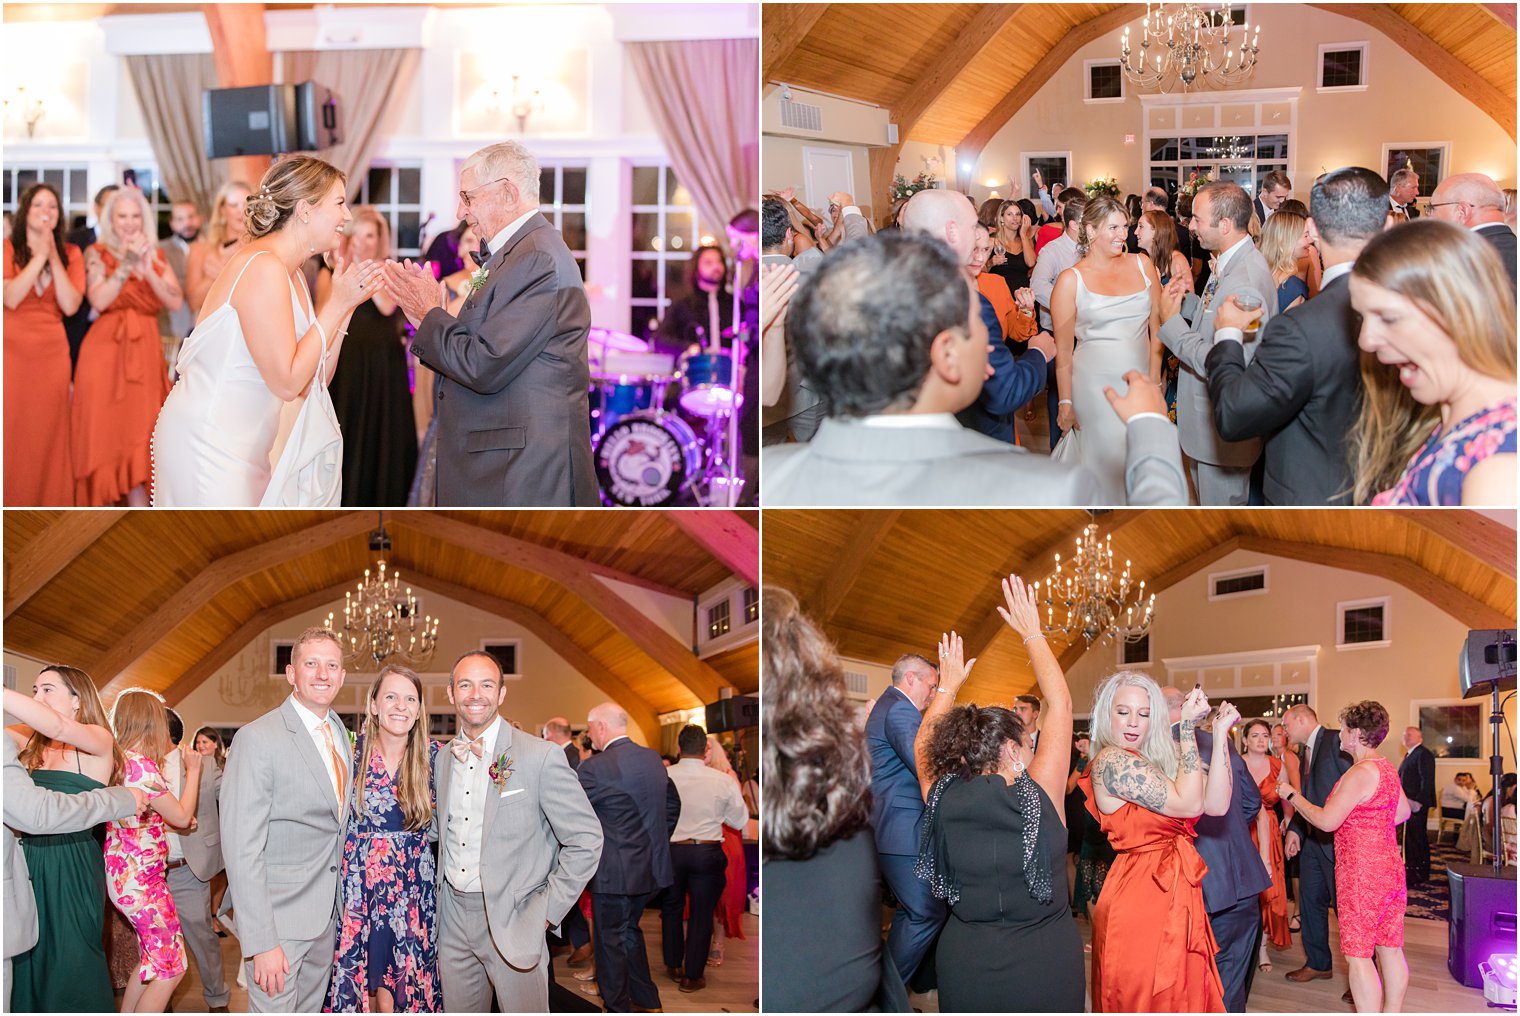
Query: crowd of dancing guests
[95,320]
[994,829]
[379,871]
[1344,351]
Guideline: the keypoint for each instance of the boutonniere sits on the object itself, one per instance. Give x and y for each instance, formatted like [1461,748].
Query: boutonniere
[500,771]
[478,279]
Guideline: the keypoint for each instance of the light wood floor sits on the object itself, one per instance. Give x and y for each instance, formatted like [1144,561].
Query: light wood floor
[732,987]
[1431,988]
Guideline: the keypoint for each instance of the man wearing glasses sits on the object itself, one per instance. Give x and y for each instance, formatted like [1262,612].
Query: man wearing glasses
[1475,201]
[514,424]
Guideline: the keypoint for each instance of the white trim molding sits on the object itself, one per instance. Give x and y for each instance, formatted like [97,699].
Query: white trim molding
[1386,602]
[1280,660]
[1087,96]
[1230,98]
[1266,582]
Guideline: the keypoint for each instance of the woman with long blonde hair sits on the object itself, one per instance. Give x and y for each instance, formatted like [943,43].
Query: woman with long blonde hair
[387,951]
[1285,243]
[65,742]
[1437,425]
[224,235]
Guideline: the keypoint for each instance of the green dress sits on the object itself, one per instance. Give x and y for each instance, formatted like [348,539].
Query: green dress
[66,970]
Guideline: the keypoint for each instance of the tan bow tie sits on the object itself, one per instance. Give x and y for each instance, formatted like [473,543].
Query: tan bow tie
[461,747]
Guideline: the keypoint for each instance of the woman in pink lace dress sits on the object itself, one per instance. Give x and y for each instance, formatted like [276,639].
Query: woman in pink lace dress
[137,854]
[1362,811]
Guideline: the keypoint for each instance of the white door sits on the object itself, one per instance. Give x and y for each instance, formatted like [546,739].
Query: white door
[826,170]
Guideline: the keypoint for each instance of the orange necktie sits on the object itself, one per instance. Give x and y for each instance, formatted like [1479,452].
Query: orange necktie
[333,757]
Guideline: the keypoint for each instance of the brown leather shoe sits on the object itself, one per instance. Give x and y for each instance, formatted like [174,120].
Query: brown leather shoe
[581,956]
[675,973]
[1308,974]
[688,985]
[1347,996]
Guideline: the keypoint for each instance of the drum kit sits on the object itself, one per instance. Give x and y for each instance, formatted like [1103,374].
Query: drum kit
[664,428]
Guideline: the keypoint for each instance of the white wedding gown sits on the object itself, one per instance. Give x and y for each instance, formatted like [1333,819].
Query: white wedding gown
[1113,337]
[212,442]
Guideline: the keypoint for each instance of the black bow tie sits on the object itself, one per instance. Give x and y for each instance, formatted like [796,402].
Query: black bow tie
[482,255]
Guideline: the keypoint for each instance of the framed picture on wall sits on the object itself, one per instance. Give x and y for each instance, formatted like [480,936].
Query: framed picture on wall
[1429,159]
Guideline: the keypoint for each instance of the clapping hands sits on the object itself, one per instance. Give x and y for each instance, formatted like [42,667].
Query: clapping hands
[414,289]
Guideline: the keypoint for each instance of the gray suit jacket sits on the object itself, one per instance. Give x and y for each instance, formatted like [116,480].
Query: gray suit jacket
[1245,272]
[849,463]
[203,848]
[176,323]
[33,809]
[282,833]
[541,845]
[514,420]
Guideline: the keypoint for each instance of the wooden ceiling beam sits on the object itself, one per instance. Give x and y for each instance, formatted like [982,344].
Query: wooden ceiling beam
[725,536]
[782,30]
[839,578]
[240,53]
[1467,82]
[55,548]
[1488,540]
[1502,13]
[970,147]
[219,575]
[965,47]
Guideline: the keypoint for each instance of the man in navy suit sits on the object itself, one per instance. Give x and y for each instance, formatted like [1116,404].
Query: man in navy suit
[1236,876]
[631,792]
[1322,763]
[897,808]
[1475,201]
[1417,775]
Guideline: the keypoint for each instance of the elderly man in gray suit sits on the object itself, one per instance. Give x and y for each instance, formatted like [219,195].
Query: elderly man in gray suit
[511,397]
[37,811]
[889,330]
[285,804]
[517,842]
[1221,214]
[195,857]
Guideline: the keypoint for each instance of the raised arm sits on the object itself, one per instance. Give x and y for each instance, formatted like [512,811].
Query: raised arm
[1219,786]
[90,738]
[1052,759]
[1354,788]
[954,668]
[1119,776]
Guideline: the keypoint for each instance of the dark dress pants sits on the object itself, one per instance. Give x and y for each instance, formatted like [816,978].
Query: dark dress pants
[701,871]
[622,964]
[1052,403]
[1237,930]
[919,916]
[1417,847]
[1316,886]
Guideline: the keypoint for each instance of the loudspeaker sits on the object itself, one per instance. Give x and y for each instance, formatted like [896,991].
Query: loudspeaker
[1482,918]
[733,714]
[1487,661]
[269,119]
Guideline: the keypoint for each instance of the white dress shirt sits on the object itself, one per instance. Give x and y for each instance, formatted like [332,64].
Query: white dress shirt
[1453,796]
[469,782]
[710,800]
[173,770]
[508,231]
[313,724]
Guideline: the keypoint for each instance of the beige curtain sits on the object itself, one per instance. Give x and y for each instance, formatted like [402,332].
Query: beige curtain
[169,89]
[705,100]
[369,84]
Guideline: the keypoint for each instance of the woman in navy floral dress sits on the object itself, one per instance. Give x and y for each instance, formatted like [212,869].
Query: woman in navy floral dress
[387,938]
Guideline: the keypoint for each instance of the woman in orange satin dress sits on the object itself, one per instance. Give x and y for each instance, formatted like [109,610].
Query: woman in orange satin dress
[1265,770]
[1152,947]
[44,280]
[121,380]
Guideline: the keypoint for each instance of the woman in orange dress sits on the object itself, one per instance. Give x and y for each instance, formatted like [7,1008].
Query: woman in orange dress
[1152,947]
[1266,770]
[121,380]
[44,280]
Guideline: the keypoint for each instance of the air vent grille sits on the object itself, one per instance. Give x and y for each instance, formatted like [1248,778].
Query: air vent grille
[801,116]
[856,684]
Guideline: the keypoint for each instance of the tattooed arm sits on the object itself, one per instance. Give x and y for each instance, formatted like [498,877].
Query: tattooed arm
[1119,776]
[1219,784]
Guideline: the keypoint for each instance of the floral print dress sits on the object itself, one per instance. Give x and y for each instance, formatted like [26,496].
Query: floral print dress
[388,934]
[1436,473]
[137,856]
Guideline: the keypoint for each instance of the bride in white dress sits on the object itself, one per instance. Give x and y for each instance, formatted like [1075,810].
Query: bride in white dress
[1108,307]
[257,345]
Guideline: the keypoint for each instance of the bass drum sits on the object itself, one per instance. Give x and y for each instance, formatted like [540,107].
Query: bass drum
[647,458]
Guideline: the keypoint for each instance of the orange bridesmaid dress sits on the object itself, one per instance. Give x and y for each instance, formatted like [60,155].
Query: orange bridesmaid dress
[120,384]
[1274,898]
[39,468]
[1152,947]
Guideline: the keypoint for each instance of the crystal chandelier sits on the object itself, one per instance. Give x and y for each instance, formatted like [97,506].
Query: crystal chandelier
[1183,42]
[380,620]
[1098,603]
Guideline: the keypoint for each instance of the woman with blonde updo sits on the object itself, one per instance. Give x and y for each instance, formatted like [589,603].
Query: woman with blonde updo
[222,239]
[259,344]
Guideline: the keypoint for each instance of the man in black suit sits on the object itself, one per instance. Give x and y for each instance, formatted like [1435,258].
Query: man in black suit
[1275,188]
[1403,188]
[575,932]
[557,731]
[1321,763]
[1302,389]
[1475,201]
[1236,876]
[630,789]
[1417,774]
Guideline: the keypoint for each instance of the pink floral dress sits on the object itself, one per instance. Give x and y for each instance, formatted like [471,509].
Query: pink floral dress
[1434,476]
[137,855]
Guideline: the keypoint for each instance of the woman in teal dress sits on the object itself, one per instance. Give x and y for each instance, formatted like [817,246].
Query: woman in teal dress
[67,746]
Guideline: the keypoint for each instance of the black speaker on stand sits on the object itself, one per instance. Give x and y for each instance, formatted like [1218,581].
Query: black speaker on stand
[269,119]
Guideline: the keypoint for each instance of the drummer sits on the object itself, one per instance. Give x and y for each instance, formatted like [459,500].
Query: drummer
[709,301]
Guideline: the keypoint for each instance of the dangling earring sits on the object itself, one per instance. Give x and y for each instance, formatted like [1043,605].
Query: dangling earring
[310,248]
[1018,766]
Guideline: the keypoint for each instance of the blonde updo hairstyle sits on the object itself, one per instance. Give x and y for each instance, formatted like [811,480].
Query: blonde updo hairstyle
[292,179]
[1095,215]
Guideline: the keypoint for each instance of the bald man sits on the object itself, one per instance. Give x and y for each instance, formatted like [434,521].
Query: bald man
[949,216]
[1417,775]
[631,792]
[1475,201]
[557,731]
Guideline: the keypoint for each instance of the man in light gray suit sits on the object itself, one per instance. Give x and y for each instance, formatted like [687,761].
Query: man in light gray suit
[184,227]
[889,330]
[285,804]
[1221,469]
[511,397]
[517,842]
[195,856]
[35,810]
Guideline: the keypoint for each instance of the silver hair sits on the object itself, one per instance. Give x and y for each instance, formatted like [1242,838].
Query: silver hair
[508,159]
[1400,175]
[906,662]
[107,234]
[1157,747]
